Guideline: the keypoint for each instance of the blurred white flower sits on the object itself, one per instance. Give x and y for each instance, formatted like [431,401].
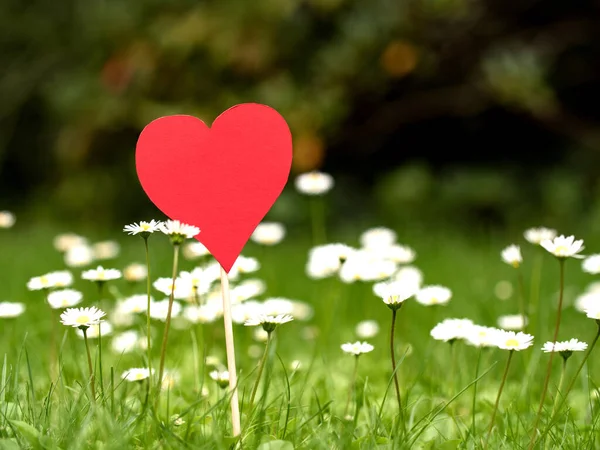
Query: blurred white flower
[135,272]
[591,264]
[105,250]
[572,345]
[367,329]
[260,335]
[357,348]
[127,342]
[246,264]
[452,329]
[134,304]
[94,330]
[165,285]
[66,241]
[564,247]
[512,255]
[101,274]
[503,290]
[393,293]
[376,238]
[79,256]
[268,233]
[314,183]
[587,300]
[58,279]
[269,323]
[202,314]
[7,219]
[159,309]
[136,374]
[481,336]
[401,254]
[512,322]
[410,276]
[433,295]
[538,235]
[509,340]
[64,298]
[194,250]
[221,377]
[9,309]
[177,231]
[248,289]
[365,265]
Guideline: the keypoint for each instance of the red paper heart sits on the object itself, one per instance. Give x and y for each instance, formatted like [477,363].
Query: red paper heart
[222,179]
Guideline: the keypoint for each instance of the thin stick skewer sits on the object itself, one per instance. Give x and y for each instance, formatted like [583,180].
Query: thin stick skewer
[229,345]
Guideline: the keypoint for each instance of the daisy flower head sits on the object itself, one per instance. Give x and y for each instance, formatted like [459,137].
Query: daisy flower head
[268,233]
[269,323]
[105,328]
[357,348]
[401,254]
[101,274]
[565,348]
[512,255]
[106,250]
[587,300]
[393,293]
[194,250]
[63,242]
[450,330]
[135,272]
[564,247]
[314,183]
[221,377]
[367,329]
[591,264]
[82,318]
[512,322]
[58,279]
[538,235]
[143,229]
[7,219]
[8,310]
[64,298]
[136,374]
[433,295]
[592,310]
[379,237]
[177,231]
[509,340]
[480,336]
[79,256]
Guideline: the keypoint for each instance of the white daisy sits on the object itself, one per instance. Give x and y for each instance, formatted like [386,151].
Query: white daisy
[63,242]
[401,254]
[433,295]
[135,304]
[194,250]
[94,331]
[143,229]
[101,274]
[269,323]
[591,264]
[221,377]
[379,237]
[393,293]
[136,374]
[106,250]
[367,329]
[512,322]
[572,345]
[451,329]
[245,264]
[268,233]
[79,256]
[159,310]
[314,183]
[564,247]
[9,310]
[7,219]
[177,231]
[82,318]
[64,298]
[58,279]
[587,300]
[135,272]
[512,255]
[127,342]
[509,340]
[480,336]
[357,348]
[538,235]
[592,310]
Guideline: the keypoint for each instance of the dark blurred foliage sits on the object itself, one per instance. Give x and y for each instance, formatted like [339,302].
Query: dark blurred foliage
[439,110]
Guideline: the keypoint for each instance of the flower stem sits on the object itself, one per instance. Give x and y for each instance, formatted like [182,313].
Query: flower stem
[393,358]
[351,387]
[163,349]
[475,390]
[522,308]
[90,366]
[260,369]
[487,439]
[148,328]
[549,368]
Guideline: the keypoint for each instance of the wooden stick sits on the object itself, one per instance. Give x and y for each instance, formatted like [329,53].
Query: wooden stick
[235,406]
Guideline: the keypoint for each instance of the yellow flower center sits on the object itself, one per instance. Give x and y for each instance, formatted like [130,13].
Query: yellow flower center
[560,250]
[512,343]
[82,319]
[139,376]
[145,227]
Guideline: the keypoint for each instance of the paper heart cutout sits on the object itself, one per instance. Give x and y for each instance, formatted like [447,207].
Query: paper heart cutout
[222,179]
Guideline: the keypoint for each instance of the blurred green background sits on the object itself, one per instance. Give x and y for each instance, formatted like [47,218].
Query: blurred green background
[427,112]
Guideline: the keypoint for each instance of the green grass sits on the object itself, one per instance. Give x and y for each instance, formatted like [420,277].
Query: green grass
[303,408]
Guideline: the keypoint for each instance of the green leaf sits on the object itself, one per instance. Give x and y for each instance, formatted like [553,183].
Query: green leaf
[29,432]
[9,444]
[276,445]
[452,444]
